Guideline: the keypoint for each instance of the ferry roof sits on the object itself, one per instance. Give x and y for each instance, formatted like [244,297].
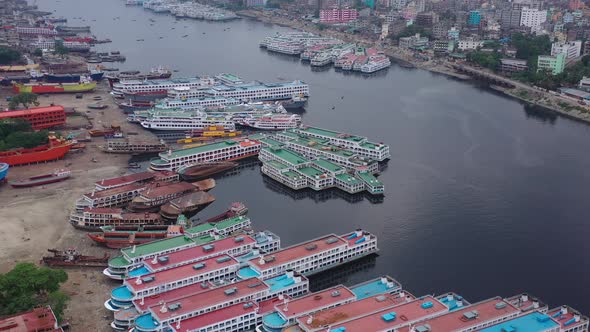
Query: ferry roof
[205,148]
[277,164]
[192,303]
[487,310]
[301,250]
[328,165]
[325,148]
[331,134]
[312,172]
[412,311]
[533,322]
[181,272]
[118,261]
[171,188]
[129,178]
[220,315]
[450,300]
[114,191]
[37,319]
[519,302]
[193,253]
[315,301]
[566,320]
[375,287]
[352,310]
[369,178]
[348,178]
[270,141]
[231,222]
[171,295]
[288,155]
[156,246]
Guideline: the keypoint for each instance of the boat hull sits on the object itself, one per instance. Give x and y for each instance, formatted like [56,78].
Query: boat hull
[70,78]
[55,88]
[35,155]
[38,182]
[198,174]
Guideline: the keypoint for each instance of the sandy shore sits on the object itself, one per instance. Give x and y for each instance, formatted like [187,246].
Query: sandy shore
[36,219]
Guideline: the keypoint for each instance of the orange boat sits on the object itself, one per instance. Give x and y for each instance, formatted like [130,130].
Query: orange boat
[55,149]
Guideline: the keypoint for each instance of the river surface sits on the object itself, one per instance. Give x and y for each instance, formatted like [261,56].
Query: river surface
[483,197]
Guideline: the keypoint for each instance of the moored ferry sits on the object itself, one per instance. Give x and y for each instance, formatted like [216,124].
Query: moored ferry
[184,121]
[154,197]
[141,177]
[132,86]
[313,256]
[94,218]
[132,257]
[272,121]
[221,151]
[376,63]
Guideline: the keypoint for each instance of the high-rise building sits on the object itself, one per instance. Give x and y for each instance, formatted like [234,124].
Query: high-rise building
[575,5]
[532,18]
[552,64]
[571,50]
[426,20]
[474,18]
[338,15]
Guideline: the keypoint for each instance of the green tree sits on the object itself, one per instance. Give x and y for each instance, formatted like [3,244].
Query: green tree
[490,60]
[9,56]
[23,98]
[27,286]
[530,47]
[60,48]
[38,52]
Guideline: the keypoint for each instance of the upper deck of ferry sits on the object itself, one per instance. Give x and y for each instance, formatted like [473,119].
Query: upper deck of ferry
[568,318]
[315,301]
[145,303]
[313,247]
[217,316]
[352,310]
[388,319]
[532,322]
[125,179]
[197,252]
[477,315]
[166,277]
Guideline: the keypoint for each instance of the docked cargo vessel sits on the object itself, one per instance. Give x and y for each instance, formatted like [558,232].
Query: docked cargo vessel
[54,87]
[72,78]
[91,219]
[229,150]
[203,170]
[71,257]
[188,204]
[55,149]
[39,180]
[118,146]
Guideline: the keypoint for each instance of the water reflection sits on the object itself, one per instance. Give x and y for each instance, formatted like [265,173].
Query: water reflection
[341,274]
[540,113]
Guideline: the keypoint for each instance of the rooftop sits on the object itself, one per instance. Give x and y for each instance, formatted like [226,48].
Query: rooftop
[213,297]
[375,287]
[227,313]
[348,178]
[30,111]
[311,172]
[533,322]
[194,253]
[287,155]
[114,191]
[126,179]
[315,301]
[38,319]
[471,316]
[328,165]
[156,246]
[390,318]
[298,251]
[331,134]
[206,148]
[352,310]
[171,295]
[564,316]
[165,277]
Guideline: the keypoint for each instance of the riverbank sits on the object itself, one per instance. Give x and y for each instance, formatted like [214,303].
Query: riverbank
[36,219]
[523,92]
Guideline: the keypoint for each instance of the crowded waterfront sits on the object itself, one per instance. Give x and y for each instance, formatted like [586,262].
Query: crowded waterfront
[307,156]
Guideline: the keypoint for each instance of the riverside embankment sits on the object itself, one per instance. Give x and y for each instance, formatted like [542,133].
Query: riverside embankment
[531,95]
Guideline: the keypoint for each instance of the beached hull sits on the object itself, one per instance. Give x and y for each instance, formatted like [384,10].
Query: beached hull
[70,78]
[35,155]
[198,172]
[55,88]
[39,182]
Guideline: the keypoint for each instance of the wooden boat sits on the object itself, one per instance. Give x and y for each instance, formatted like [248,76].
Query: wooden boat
[188,204]
[199,171]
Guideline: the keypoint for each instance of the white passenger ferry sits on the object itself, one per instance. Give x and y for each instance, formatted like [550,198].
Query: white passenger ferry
[185,121]
[273,121]
[376,63]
